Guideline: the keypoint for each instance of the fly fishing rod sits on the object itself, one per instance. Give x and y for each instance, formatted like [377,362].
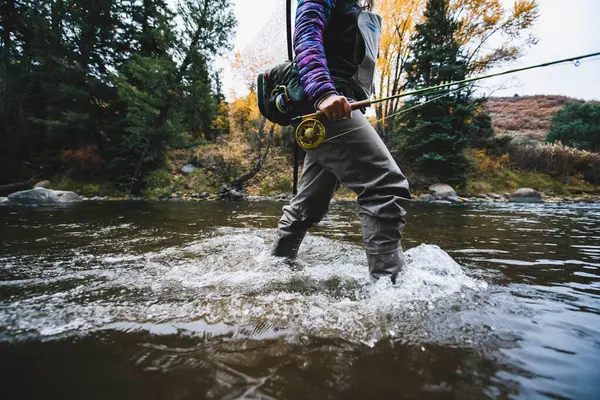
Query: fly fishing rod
[310,133]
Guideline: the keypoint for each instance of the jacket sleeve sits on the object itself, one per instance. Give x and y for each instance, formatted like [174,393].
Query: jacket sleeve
[312,17]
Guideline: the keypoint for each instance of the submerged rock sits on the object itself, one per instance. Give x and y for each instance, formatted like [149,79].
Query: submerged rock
[526,195]
[258,198]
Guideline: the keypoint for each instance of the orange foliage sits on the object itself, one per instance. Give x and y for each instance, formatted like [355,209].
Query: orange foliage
[87,158]
[489,163]
[491,34]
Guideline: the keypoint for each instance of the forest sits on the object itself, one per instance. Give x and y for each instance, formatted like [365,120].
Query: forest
[116,96]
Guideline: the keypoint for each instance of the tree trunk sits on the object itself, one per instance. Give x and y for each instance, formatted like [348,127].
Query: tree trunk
[238,183]
[5,190]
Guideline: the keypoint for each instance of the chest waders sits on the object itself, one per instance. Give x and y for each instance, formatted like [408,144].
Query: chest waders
[359,160]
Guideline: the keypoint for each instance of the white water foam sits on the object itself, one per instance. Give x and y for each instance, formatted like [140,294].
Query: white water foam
[230,278]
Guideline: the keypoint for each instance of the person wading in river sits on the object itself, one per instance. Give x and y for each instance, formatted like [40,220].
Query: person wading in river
[335,43]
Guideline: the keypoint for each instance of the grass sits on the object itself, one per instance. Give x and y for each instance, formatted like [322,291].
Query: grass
[498,175]
[507,181]
[84,188]
[163,183]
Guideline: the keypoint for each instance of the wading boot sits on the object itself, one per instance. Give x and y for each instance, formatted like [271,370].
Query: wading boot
[387,264]
[287,246]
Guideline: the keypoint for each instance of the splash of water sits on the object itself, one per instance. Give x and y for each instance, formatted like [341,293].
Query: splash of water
[228,284]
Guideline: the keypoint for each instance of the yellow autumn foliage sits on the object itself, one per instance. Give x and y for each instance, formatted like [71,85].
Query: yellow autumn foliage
[490,33]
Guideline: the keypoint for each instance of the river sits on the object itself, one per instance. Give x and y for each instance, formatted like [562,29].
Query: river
[181,300]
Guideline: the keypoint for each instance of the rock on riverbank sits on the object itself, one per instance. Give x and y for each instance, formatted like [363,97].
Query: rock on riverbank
[40,195]
[444,194]
[526,195]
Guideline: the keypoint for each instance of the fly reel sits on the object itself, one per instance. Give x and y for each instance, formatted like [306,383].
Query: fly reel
[310,134]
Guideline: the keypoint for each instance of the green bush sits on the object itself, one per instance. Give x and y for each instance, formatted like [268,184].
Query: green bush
[84,188]
[276,183]
[576,125]
[162,183]
[158,184]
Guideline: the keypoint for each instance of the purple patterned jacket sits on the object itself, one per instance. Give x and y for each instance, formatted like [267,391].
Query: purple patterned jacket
[312,17]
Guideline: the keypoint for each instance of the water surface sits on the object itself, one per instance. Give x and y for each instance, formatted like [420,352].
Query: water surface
[178,300]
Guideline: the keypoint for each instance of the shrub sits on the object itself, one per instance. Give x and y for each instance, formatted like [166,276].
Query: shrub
[275,183]
[556,159]
[84,188]
[494,174]
[158,184]
[576,125]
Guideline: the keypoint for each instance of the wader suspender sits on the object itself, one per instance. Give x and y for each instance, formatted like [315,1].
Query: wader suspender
[288,17]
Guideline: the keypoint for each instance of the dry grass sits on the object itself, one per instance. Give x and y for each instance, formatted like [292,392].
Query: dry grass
[527,116]
[556,159]
[552,169]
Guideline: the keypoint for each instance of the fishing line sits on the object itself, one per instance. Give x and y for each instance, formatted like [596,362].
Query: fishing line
[397,113]
[310,133]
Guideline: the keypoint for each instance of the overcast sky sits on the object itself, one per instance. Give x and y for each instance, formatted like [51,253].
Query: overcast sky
[565,29]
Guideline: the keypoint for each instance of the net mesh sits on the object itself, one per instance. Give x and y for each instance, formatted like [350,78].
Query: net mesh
[267,48]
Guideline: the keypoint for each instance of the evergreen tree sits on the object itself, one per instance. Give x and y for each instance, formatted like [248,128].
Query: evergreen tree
[165,98]
[577,125]
[434,135]
[101,89]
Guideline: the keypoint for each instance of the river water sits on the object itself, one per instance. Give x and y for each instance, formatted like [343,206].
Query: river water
[181,300]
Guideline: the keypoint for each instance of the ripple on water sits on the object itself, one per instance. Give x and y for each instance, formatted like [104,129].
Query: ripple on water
[230,280]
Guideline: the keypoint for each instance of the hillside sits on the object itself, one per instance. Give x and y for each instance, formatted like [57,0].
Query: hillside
[526,116]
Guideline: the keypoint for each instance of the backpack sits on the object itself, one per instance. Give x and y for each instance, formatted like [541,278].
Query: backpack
[351,61]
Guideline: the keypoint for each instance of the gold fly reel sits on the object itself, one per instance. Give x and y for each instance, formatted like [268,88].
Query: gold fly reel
[310,134]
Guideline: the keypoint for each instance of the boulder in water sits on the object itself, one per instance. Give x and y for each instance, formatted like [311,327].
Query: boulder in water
[43,196]
[3,200]
[67,197]
[426,198]
[526,195]
[442,191]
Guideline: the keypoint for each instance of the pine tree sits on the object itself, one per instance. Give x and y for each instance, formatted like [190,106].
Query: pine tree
[101,89]
[434,135]
[166,96]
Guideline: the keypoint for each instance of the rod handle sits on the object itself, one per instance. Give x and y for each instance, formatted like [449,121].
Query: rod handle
[357,105]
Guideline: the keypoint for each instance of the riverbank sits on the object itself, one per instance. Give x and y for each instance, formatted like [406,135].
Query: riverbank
[344,196]
[213,172]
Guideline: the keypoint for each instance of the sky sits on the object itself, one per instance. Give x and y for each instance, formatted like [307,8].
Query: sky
[565,29]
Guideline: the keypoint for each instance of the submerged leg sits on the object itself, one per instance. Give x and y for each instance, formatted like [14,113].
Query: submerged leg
[361,161]
[315,190]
